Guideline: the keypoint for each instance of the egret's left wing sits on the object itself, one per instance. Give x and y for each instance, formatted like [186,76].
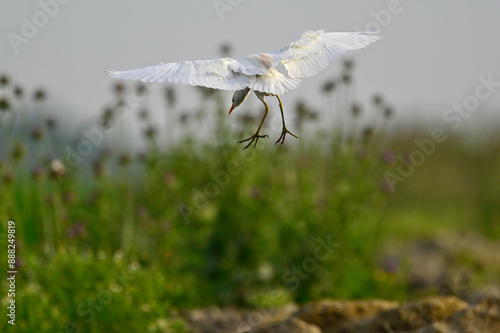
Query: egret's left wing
[315,50]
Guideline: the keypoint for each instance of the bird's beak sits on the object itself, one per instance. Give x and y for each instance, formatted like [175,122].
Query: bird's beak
[231,110]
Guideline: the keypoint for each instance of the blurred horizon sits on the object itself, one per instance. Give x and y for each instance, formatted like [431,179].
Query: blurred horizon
[432,57]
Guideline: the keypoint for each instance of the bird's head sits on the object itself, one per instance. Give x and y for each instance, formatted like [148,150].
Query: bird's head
[239,97]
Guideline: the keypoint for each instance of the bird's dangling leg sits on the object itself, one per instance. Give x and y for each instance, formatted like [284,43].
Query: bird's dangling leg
[285,130]
[257,135]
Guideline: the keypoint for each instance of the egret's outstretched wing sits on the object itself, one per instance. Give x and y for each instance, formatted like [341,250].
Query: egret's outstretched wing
[276,83]
[215,73]
[315,50]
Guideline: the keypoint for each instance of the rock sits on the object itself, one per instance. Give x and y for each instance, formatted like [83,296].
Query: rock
[232,320]
[428,264]
[430,315]
[291,325]
[483,317]
[410,317]
[330,315]
[216,320]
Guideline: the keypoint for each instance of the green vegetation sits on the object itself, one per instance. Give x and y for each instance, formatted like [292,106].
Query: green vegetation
[128,242]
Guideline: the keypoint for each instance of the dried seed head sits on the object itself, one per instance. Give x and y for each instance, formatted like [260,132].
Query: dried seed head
[124,159]
[4,80]
[313,115]
[107,118]
[18,151]
[348,64]
[346,78]
[98,169]
[170,96]
[36,134]
[356,110]
[120,103]
[4,104]
[328,86]
[119,88]
[377,99]
[225,50]
[246,118]
[142,156]
[51,122]
[367,133]
[37,173]
[108,113]
[388,112]
[140,89]
[150,132]
[39,94]
[8,178]
[184,117]
[301,108]
[18,92]
[143,114]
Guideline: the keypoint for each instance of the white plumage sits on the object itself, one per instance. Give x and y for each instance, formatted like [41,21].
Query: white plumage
[313,52]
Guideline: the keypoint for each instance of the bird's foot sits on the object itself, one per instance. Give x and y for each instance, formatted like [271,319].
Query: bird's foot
[284,132]
[253,138]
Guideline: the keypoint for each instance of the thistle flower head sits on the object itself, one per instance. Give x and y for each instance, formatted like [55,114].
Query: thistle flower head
[389,156]
[57,169]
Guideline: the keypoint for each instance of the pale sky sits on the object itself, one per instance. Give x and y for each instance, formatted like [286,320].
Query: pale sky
[432,54]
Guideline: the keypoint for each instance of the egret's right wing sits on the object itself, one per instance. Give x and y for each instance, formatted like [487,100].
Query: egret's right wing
[315,50]
[215,73]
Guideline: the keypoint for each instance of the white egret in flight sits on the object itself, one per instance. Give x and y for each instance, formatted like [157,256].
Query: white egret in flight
[313,52]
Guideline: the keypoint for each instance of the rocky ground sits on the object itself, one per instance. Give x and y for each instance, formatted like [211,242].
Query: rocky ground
[429,315]
[445,267]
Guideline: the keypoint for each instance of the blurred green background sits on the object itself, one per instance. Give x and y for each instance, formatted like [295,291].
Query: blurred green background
[111,237]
